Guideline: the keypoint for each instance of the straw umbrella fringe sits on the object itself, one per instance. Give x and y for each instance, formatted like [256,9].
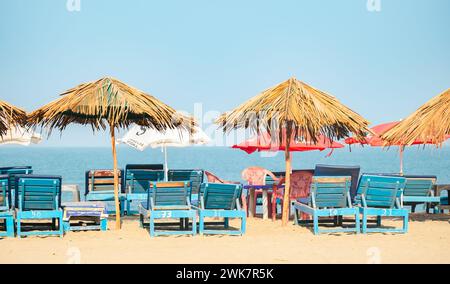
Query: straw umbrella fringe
[300,109]
[108,103]
[10,116]
[431,123]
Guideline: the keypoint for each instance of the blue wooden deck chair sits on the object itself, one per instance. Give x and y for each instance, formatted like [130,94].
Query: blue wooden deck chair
[194,176]
[329,197]
[220,200]
[168,200]
[137,183]
[419,190]
[6,212]
[12,172]
[39,198]
[380,196]
[99,186]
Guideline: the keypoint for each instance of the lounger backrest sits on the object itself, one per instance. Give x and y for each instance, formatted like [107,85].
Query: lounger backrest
[339,170]
[418,186]
[169,194]
[102,181]
[221,196]
[138,180]
[194,176]
[12,172]
[38,192]
[379,191]
[330,192]
[4,193]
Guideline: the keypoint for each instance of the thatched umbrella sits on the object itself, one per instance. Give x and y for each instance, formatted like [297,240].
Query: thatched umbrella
[302,111]
[10,116]
[108,103]
[431,123]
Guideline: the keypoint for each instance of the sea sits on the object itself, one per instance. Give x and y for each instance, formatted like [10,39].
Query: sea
[227,163]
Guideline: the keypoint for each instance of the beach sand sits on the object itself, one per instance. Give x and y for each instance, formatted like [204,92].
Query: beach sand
[265,242]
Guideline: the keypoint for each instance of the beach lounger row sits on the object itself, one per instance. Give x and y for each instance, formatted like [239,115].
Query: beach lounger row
[134,183]
[171,200]
[377,196]
[38,198]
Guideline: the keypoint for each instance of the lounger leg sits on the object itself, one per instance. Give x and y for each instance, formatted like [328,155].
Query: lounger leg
[60,226]
[243,224]
[141,220]
[103,224]
[9,224]
[405,223]
[54,224]
[182,223]
[316,224]
[378,221]
[201,224]
[296,216]
[357,224]
[128,207]
[364,222]
[227,223]
[19,228]
[194,224]
[152,226]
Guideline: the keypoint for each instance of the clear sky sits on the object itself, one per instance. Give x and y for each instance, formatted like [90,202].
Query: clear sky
[383,64]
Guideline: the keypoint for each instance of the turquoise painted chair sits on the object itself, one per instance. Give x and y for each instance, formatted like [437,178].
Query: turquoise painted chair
[194,176]
[221,201]
[137,184]
[380,196]
[12,172]
[99,186]
[419,190]
[39,197]
[6,212]
[329,197]
[168,200]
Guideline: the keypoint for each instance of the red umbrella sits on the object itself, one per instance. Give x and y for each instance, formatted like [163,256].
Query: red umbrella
[265,142]
[376,141]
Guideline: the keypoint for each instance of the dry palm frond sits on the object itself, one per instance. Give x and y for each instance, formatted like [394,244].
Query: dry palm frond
[10,116]
[108,102]
[431,123]
[296,105]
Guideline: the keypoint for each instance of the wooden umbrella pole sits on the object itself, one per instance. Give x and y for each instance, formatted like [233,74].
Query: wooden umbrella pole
[116,178]
[287,183]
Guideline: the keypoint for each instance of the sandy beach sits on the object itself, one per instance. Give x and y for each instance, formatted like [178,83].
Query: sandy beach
[265,242]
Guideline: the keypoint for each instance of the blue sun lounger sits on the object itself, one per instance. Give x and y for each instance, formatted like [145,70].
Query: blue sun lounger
[194,176]
[137,183]
[99,186]
[380,196]
[6,212]
[419,190]
[329,197]
[39,197]
[168,200]
[221,201]
[12,172]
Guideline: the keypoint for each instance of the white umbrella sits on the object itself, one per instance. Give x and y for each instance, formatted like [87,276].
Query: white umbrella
[20,136]
[140,138]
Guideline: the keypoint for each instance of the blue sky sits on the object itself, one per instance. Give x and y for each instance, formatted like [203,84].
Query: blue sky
[383,64]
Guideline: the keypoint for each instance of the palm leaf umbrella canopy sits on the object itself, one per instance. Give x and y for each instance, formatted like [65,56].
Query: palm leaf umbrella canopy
[104,103]
[431,123]
[10,116]
[302,111]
